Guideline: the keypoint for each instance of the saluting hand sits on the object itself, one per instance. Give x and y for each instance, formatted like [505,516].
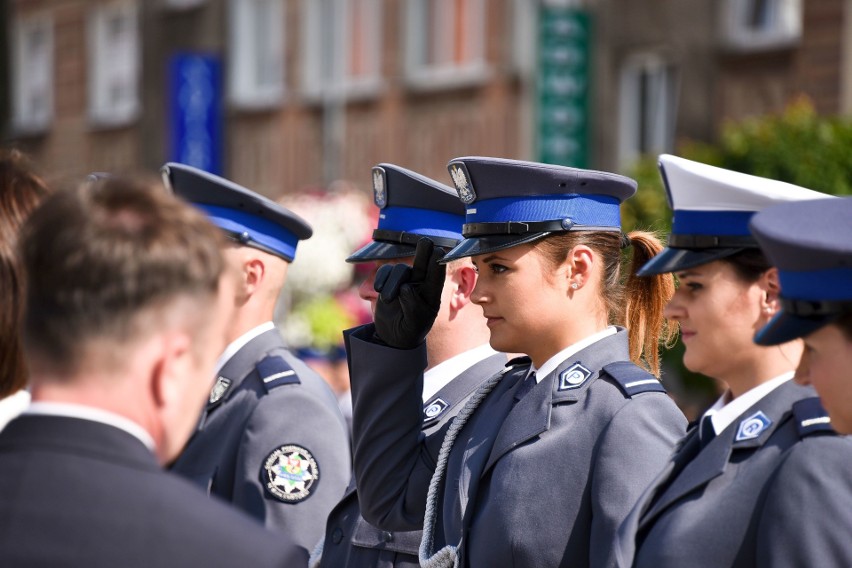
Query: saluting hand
[409,297]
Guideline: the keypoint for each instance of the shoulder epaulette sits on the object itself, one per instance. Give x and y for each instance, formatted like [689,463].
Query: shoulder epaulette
[275,372]
[811,417]
[632,379]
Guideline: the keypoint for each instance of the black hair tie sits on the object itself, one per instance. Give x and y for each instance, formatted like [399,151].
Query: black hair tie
[625,241]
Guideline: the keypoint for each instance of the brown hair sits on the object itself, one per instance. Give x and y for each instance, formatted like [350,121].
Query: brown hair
[637,303]
[100,255]
[21,190]
[844,323]
[749,264]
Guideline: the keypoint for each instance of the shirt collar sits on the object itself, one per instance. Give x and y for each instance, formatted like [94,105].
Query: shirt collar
[239,343]
[69,410]
[551,364]
[723,414]
[441,374]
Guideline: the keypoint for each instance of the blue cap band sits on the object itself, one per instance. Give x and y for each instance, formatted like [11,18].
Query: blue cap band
[733,223]
[421,222]
[589,210]
[260,230]
[817,285]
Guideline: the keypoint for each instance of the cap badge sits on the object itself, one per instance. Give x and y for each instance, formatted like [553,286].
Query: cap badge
[290,473]
[379,194]
[461,180]
[752,427]
[219,389]
[573,377]
[435,409]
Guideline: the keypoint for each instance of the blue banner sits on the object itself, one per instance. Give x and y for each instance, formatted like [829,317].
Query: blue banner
[195,117]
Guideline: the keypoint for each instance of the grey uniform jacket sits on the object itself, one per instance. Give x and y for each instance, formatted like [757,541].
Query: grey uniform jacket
[352,542]
[750,496]
[272,441]
[543,481]
[79,493]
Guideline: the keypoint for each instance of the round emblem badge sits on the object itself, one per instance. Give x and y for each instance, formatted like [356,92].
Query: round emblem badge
[290,473]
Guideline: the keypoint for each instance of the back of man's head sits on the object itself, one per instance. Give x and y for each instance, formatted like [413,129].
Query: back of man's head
[104,257]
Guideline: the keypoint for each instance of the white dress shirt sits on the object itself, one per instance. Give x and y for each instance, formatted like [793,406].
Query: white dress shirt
[440,375]
[723,414]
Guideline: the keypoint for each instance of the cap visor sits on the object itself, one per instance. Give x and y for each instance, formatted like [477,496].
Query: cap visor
[378,250]
[480,245]
[786,327]
[677,259]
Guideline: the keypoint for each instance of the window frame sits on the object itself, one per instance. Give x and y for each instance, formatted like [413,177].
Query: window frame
[784,31]
[25,119]
[245,90]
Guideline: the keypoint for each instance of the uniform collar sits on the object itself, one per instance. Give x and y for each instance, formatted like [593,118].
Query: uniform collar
[68,410]
[724,414]
[240,342]
[441,374]
[551,364]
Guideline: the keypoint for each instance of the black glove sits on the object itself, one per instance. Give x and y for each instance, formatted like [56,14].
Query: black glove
[409,297]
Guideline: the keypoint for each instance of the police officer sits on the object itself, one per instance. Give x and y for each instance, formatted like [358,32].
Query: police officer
[809,506]
[548,455]
[271,440]
[411,207]
[707,505]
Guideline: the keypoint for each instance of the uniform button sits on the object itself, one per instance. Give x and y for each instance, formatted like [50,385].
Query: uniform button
[337,536]
[387,536]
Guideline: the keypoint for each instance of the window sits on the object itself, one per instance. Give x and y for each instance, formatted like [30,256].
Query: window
[114,64]
[648,108]
[32,69]
[445,42]
[256,65]
[750,25]
[342,46]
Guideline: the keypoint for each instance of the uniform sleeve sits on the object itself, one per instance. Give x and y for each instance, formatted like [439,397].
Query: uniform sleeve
[635,447]
[293,463]
[808,510]
[393,464]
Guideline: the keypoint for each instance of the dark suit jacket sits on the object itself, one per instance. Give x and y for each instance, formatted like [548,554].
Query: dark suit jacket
[707,507]
[229,453]
[352,542]
[542,482]
[75,492]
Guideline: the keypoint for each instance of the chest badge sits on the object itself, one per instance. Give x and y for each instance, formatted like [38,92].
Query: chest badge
[291,473]
[573,377]
[435,409]
[752,427]
[219,389]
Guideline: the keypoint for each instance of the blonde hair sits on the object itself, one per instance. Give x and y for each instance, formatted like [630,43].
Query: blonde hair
[634,302]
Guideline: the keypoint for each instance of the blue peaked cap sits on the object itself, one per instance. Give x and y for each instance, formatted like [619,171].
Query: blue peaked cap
[511,202]
[245,216]
[411,206]
[810,242]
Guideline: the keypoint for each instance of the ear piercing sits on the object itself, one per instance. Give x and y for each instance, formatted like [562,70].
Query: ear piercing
[574,285]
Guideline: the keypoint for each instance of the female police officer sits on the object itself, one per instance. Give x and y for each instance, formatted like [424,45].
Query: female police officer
[548,456]
[704,509]
[809,515]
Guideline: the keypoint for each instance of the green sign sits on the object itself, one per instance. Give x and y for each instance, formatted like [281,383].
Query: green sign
[562,126]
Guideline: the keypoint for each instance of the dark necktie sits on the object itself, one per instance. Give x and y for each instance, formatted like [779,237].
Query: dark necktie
[525,387]
[706,431]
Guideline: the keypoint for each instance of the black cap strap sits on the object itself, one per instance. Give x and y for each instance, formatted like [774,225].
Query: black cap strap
[711,241]
[521,228]
[807,308]
[401,237]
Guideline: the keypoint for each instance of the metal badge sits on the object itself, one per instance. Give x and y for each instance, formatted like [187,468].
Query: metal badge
[435,409]
[291,473]
[573,377]
[219,389]
[461,179]
[380,195]
[752,427]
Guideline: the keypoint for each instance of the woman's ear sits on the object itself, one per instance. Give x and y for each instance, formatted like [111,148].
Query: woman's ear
[771,286]
[580,263]
[463,278]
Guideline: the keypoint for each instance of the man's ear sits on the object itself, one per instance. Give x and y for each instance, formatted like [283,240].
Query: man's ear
[463,278]
[171,369]
[254,271]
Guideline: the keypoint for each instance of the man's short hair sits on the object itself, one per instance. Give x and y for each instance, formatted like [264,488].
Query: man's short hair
[99,255]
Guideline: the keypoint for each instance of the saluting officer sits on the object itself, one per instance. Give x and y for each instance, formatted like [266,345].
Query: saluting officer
[547,457]
[809,507]
[271,440]
[459,358]
[706,507]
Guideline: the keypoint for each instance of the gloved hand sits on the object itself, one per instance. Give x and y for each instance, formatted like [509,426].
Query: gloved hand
[409,297]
